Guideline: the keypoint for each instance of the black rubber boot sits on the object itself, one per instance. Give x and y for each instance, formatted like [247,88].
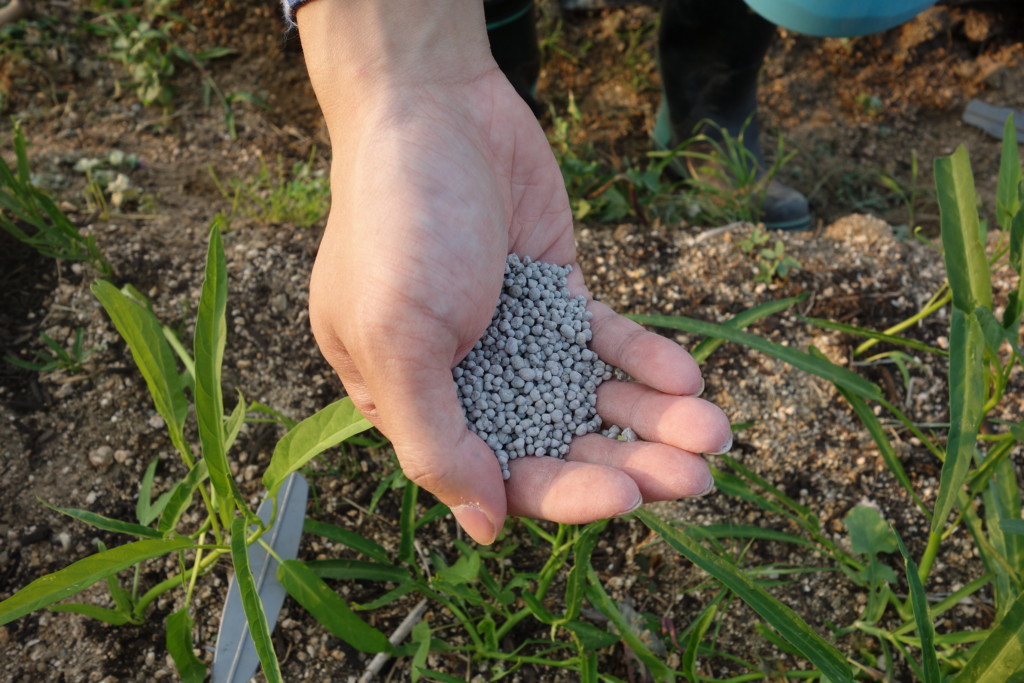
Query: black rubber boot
[512,30]
[710,55]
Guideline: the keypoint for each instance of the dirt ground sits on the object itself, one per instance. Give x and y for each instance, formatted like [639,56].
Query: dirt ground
[853,110]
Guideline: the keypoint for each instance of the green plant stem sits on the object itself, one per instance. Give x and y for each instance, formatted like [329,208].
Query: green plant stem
[195,574]
[175,581]
[928,557]
[934,304]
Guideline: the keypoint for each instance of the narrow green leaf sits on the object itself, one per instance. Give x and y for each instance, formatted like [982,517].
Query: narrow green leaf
[420,636]
[992,331]
[1000,657]
[145,509]
[707,346]
[871,422]
[142,332]
[106,523]
[233,425]
[872,334]
[591,637]
[348,538]
[606,606]
[359,570]
[1002,500]
[329,609]
[439,676]
[179,627]
[1013,526]
[208,351]
[48,589]
[784,620]
[818,367]
[966,402]
[1007,190]
[962,239]
[407,523]
[919,603]
[1015,302]
[251,603]
[322,430]
[537,608]
[181,497]
[576,583]
[107,616]
[756,532]
[700,628]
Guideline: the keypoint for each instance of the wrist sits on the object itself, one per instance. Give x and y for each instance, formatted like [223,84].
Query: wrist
[358,51]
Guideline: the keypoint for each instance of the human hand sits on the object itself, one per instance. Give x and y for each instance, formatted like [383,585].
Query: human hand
[437,175]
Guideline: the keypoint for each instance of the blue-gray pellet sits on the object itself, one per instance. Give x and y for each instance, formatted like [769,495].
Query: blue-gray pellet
[531,376]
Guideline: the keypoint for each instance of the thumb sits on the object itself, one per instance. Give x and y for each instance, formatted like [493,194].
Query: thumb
[420,411]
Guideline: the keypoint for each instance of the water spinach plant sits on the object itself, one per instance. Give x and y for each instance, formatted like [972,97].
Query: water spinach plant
[228,526]
[978,488]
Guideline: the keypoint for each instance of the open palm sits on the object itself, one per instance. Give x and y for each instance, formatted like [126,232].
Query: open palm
[427,202]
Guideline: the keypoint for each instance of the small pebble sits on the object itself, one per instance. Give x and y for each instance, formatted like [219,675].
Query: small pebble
[101,457]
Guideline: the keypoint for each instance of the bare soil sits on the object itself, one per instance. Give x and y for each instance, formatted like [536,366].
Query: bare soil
[852,109]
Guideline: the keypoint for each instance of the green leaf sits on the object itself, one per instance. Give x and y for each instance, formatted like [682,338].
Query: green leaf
[966,403]
[1002,502]
[992,331]
[708,346]
[145,509]
[359,570]
[233,425]
[181,497]
[962,237]
[143,333]
[869,533]
[1015,302]
[107,616]
[329,609]
[818,367]
[872,334]
[576,583]
[322,430]
[420,636]
[606,606]
[591,637]
[179,643]
[1012,526]
[885,447]
[1007,190]
[919,602]
[407,523]
[348,538]
[1000,657]
[251,603]
[106,523]
[48,589]
[822,654]
[208,350]
[700,628]
[537,608]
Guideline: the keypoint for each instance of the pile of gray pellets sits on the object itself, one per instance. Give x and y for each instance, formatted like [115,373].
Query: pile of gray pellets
[529,384]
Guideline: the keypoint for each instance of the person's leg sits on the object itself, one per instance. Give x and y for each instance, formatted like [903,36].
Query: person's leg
[710,55]
[512,30]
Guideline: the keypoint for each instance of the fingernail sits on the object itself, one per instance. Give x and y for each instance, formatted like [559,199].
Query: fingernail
[700,391]
[709,488]
[476,523]
[638,503]
[724,449]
